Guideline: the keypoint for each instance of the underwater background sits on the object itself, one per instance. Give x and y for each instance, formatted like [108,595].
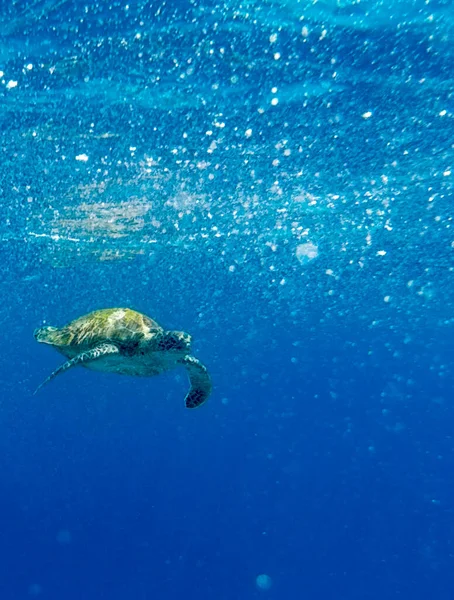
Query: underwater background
[274,177]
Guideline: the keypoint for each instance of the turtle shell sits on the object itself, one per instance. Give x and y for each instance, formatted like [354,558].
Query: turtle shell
[126,327]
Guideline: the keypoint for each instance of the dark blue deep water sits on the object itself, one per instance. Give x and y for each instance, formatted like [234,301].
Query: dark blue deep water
[276,178]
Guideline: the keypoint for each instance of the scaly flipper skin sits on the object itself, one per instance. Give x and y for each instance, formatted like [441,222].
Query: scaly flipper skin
[200,382]
[98,352]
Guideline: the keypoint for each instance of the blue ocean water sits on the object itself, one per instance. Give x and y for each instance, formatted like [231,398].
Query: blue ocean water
[274,177]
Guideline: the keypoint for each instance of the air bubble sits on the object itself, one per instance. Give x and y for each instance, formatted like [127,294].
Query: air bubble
[306,252]
[263,582]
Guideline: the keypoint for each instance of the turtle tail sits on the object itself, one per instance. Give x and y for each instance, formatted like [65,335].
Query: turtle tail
[44,334]
[52,335]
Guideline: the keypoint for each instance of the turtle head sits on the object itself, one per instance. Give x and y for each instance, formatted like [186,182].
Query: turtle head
[46,335]
[174,341]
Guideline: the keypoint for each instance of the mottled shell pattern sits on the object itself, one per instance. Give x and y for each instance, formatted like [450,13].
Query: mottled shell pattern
[120,325]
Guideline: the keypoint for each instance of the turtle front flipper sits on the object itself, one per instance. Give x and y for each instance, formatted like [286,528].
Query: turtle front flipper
[200,382]
[84,357]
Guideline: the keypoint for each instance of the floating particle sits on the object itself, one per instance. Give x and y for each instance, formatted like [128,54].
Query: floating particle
[367,115]
[82,157]
[35,589]
[248,132]
[64,536]
[11,84]
[306,252]
[263,582]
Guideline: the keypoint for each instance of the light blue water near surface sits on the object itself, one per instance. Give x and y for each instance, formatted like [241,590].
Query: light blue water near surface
[276,179]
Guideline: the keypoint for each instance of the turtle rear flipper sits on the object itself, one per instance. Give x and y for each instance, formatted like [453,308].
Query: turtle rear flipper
[200,382]
[84,357]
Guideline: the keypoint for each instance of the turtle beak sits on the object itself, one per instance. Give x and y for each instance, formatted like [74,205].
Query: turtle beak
[182,341]
[186,341]
[176,341]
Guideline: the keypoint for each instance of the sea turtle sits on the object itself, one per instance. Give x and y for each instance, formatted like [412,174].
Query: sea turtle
[121,340]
